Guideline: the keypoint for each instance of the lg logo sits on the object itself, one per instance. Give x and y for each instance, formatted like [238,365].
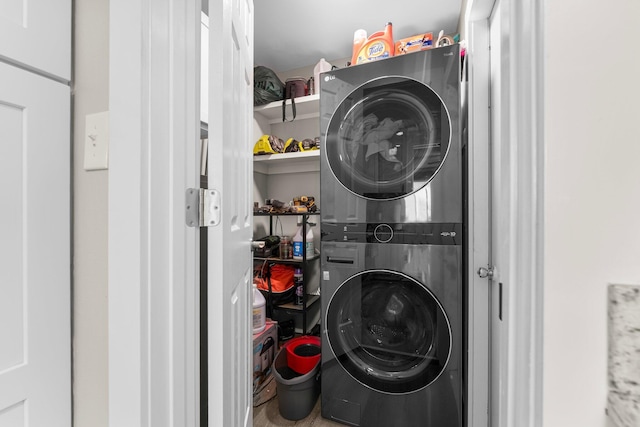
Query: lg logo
[329,77]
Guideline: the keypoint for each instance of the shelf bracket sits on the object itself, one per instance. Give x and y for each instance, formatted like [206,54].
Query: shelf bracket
[202,207]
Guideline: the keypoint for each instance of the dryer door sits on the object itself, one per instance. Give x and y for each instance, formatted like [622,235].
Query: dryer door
[388,138]
[388,331]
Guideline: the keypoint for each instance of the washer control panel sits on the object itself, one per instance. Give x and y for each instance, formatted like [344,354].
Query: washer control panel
[383,233]
[411,233]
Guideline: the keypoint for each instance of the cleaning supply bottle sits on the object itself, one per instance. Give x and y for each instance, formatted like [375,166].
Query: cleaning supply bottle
[309,251]
[379,45]
[359,38]
[321,67]
[298,250]
[259,311]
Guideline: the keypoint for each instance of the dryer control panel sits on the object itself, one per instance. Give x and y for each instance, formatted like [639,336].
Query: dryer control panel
[398,233]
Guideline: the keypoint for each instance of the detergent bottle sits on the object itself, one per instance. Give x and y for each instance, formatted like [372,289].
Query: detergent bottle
[259,311]
[379,45]
[359,38]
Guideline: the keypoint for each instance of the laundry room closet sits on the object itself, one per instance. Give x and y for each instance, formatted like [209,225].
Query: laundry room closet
[391,233]
[286,178]
[282,183]
[386,191]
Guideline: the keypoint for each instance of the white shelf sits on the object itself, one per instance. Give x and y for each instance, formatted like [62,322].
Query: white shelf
[307,107]
[302,161]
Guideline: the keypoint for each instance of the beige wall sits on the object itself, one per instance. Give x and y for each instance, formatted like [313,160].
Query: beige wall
[91,95]
[592,195]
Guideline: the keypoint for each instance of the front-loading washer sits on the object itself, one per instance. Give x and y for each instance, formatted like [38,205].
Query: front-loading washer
[390,140]
[392,325]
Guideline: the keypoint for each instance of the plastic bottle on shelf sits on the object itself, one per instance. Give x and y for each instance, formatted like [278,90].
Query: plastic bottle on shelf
[378,45]
[298,285]
[359,38]
[309,250]
[259,311]
[321,67]
[298,250]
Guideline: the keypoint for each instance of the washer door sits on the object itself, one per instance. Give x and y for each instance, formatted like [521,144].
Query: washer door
[388,138]
[388,331]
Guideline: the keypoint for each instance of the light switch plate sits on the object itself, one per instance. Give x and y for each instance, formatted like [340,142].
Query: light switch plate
[96,141]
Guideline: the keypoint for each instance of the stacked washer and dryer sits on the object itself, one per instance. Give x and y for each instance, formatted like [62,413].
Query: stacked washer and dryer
[391,242]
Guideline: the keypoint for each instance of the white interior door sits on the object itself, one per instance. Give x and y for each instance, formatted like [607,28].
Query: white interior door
[516,215]
[229,239]
[37,34]
[35,325]
[501,214]
[513,31]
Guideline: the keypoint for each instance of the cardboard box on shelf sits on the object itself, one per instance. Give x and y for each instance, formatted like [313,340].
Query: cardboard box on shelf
[265,347]
[414,43]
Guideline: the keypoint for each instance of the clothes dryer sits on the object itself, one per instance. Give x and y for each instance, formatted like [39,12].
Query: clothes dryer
[392,326]
[390,133]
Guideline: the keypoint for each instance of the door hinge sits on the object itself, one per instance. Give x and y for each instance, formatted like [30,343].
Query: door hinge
[487,272]
[202,207]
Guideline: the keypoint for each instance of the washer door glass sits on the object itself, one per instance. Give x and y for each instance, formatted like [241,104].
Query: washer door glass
[388,138]
[388,331]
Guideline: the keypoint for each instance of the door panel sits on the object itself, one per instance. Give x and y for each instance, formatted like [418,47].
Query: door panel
[37,33]
[35,363]
[500,223]
[231,177]
[12,331]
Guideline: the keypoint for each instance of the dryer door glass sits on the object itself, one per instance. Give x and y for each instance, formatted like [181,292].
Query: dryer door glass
[388,138]
[388,331]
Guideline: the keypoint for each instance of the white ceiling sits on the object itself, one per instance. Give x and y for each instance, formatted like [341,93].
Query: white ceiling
[292,34]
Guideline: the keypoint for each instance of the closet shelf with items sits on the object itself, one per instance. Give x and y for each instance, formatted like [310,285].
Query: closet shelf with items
[307,107]
[301,259]
[286,163]
[303,131]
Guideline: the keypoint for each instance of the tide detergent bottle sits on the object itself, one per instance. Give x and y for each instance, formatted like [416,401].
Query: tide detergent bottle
[379,45]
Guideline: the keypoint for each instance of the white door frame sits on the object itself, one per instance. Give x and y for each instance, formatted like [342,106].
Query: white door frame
[525,340]
[153,274]
[523,399]
[477,67]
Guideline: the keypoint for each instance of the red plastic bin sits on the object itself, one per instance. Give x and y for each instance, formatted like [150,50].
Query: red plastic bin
[303,353]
